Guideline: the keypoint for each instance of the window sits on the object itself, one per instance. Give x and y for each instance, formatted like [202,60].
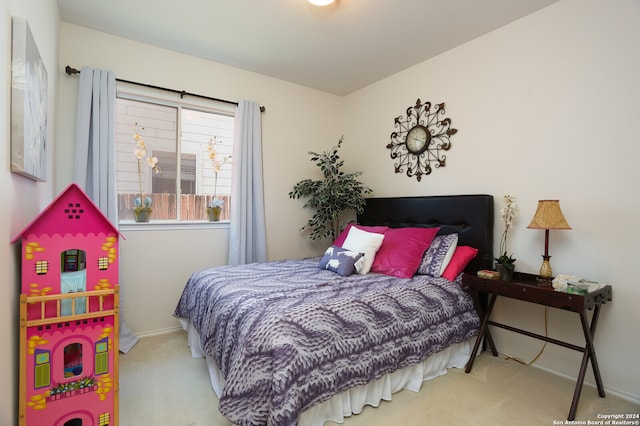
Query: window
[42,376]
[73,260]
[102,356]
[42,267]
[72,360]
[103,263]
[179,136]
[166,181]
[104,419]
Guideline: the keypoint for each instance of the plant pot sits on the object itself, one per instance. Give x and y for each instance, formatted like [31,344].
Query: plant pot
[142,215]
[506,274]
[213,213]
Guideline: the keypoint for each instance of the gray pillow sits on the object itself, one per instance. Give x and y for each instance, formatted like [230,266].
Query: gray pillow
[438,255]
[341,261]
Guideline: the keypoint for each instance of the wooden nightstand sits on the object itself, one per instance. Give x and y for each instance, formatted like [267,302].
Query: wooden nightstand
[528,288]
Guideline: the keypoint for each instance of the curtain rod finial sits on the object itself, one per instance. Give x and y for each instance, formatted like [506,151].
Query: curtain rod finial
[69,70]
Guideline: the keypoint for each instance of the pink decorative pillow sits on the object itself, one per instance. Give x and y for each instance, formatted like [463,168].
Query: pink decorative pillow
[461,258]
[402,250]
[339,241]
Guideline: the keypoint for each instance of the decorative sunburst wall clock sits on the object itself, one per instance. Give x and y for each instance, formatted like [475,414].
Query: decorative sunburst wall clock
[421,140]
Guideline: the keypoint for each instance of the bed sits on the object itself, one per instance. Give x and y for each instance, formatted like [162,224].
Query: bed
[288,343]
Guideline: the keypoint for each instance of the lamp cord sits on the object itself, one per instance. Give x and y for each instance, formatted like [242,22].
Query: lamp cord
[546,333]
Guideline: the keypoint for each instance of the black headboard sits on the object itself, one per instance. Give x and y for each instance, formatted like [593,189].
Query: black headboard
[471,216]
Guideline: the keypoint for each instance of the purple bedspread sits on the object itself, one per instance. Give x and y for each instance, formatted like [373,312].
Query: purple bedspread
[287,335]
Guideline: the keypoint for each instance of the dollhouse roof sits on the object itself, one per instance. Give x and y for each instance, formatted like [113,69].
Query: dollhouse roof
[72,212]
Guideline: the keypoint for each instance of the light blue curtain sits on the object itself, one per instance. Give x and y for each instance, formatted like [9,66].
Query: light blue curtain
[247,232]
[95,150]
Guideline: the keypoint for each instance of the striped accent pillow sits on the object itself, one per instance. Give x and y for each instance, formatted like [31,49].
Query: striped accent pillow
[438,255]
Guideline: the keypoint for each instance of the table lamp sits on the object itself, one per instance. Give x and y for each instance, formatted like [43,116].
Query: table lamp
[548,216]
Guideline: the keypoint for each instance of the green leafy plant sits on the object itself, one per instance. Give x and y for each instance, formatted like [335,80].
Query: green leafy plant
[84,382]
[332,196]
[507,261]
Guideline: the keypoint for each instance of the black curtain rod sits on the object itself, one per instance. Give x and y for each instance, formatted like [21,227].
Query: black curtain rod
[70,71]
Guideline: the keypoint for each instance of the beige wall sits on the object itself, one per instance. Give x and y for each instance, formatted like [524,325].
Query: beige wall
[22,198]
[156,263]
[545,108]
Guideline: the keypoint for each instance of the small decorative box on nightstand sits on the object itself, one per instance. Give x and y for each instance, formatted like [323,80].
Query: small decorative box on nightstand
[490,275]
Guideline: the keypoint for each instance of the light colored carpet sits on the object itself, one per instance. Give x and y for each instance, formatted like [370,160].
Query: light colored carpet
[161,384]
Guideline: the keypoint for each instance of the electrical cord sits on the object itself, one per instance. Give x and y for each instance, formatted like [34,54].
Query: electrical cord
[546,333]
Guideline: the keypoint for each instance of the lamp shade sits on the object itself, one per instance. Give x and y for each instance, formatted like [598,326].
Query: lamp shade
[548,216]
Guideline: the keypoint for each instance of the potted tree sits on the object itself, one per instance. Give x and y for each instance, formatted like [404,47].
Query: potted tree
[336,193]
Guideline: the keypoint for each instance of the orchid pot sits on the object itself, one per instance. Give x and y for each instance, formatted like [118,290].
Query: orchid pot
[213,213]
[214,209]
[142,211]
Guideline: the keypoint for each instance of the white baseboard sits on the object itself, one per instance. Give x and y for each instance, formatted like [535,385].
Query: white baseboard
[160,332]
[618,394]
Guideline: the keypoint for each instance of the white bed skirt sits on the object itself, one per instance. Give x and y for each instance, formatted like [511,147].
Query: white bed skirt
[352,401]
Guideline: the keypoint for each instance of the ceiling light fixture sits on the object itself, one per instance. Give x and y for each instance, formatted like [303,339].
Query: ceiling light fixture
[320,2]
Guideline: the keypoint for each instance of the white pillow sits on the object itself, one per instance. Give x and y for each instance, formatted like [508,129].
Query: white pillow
[363,242]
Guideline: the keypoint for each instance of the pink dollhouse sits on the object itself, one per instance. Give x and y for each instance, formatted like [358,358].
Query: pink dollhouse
[69,315]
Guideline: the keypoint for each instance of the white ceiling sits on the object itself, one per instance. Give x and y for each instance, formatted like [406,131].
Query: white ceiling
[338,49]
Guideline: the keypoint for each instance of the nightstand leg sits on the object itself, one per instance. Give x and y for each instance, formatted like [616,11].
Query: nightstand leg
[594,361]
[589,353]
[487,335]
[484,316]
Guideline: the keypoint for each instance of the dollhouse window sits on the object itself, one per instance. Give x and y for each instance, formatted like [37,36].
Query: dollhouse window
[73,260]
[103,263]
[42,267]
[102,356]
[73,360]
[103,419]
[42,368]
[74,211]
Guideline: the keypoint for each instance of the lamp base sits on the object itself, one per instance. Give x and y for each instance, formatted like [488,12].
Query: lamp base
[545,269]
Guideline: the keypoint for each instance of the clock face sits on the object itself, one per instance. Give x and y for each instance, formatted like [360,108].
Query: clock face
[418,139]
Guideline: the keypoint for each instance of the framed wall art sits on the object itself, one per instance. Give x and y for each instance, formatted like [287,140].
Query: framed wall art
[28,105]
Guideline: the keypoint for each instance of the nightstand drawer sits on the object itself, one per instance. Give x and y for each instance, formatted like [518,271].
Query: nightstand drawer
[526,287]
[540,295]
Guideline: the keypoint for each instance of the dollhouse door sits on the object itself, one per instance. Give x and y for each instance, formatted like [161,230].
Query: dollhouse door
[73,279]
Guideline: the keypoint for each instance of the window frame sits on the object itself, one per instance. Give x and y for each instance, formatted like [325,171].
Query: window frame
[139,93]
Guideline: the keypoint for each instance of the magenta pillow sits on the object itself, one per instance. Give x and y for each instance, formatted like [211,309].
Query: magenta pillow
[339,241]
[401,251]
[461,258]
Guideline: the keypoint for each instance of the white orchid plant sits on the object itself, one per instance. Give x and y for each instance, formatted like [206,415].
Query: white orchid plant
[140,152]
[508,212]
[217,166]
